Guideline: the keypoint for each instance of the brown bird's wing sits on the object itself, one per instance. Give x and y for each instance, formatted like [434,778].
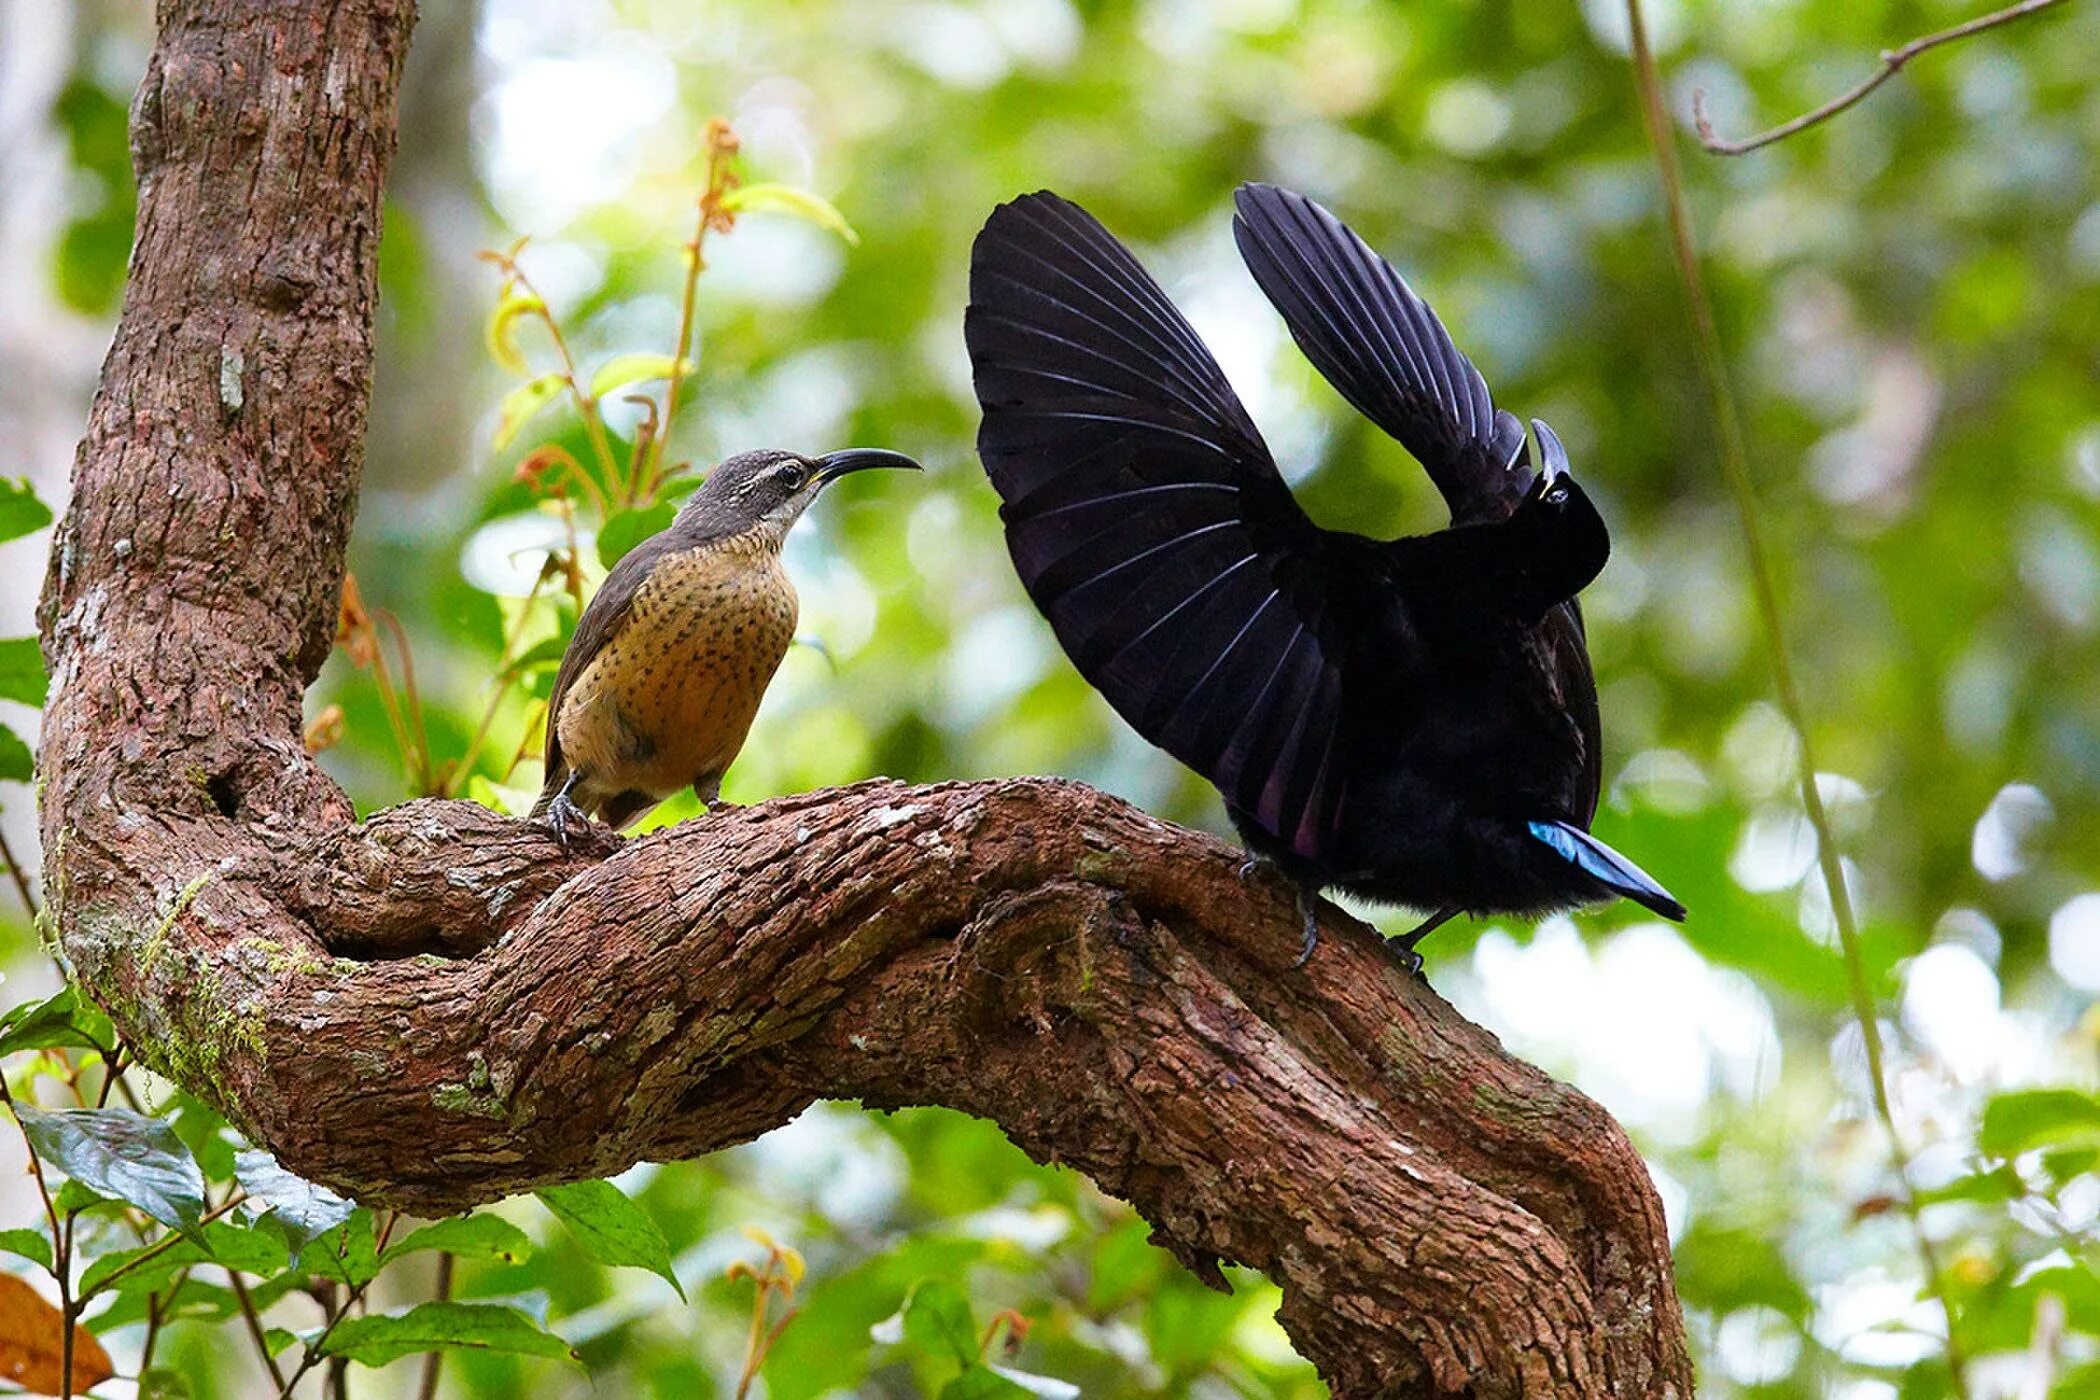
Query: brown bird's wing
[602,619]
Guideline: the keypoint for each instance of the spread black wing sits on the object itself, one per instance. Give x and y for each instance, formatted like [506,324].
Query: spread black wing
[1378,343]
[1149,523]
[1383,349]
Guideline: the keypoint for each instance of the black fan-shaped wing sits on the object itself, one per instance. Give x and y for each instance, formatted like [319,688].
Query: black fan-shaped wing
[1148,522]
[1383,349]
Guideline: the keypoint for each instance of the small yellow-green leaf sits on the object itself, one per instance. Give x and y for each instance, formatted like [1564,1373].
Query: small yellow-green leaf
[521,403]
[786,199]
[502,327]
[622,370]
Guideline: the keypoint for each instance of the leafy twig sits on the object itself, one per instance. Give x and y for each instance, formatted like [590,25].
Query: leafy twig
[586,405]
[507,679]
[1892,61]
[255,1327]
[160,1246]
[781,1273]
[1734,462]
[314,1354]
[434,1361]
[721,145]
[62,1251]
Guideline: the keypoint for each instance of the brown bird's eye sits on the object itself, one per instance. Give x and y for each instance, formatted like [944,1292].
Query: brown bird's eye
[791,476]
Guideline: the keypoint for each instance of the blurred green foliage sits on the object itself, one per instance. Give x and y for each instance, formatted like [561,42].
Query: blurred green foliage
[1909,298]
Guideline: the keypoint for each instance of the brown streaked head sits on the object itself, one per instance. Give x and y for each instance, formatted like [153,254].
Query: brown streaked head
[774,487]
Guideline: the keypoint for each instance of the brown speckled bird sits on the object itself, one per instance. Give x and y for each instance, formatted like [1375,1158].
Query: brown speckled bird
[660,683]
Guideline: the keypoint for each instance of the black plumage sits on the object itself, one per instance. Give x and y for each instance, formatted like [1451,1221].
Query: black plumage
[1412,720]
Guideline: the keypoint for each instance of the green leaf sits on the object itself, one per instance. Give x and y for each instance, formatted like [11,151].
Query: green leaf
[302,1210]
[147,1269]
[21,513]
[1126,1264]
[786,199]
[2029,1118]
[521,404]
[938,1323]
[1992,1188]
[983,1383]
[347,1253]
[72,1196]
[543,655]
[482,1236]
[153,1266]
[622,370]
[205,1133]
[63,1019]
[244,1247]
[17,763]
[123,1155]
[167,1383]
[611,1228]
[374,1341]
[624,529]
[30,1244]
[22,677]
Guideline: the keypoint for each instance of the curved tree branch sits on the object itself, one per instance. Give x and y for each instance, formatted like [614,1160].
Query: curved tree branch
[440,1005]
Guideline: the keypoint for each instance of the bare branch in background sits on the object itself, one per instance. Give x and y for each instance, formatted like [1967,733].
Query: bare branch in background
[1892,61]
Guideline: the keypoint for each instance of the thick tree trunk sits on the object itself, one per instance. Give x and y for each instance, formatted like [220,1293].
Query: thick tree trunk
[440,1006]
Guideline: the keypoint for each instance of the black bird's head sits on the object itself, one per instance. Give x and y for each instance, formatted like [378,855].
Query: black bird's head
[1565,540]
[771,488]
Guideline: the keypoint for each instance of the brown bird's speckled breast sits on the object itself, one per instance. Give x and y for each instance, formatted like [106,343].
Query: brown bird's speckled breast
[669,698]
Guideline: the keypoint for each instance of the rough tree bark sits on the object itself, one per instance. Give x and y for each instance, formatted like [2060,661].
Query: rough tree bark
[440,1006]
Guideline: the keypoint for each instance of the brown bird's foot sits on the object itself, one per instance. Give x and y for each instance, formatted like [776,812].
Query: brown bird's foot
[1403,947]
[562,813]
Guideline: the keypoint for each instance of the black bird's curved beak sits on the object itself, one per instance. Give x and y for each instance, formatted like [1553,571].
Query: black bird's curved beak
[833,465]
[1553,458]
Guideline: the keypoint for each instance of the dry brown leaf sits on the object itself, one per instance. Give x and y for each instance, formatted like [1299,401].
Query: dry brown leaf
[29,1343]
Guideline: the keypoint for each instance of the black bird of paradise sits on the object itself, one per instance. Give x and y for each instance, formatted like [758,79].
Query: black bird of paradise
[1412,720]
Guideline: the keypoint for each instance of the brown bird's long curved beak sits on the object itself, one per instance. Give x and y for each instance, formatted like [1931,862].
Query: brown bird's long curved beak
[833,465]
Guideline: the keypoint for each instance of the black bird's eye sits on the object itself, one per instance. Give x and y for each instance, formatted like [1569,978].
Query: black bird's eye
[791,476]
[1557,495]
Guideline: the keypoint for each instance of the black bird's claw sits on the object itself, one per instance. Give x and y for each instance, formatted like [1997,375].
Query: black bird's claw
[1403,947]
[1404,952]
[1309,906]
[1250,865]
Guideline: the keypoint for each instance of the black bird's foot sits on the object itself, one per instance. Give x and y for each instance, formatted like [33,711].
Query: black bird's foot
[1404,946]
[1309,906]
[1252,866]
